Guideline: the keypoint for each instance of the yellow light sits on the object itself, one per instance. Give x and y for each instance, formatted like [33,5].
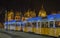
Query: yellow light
[30,14]
[9,18]
[17,17]
[10,15]
[42,14]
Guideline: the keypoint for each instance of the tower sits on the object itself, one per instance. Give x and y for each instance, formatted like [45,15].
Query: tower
[27,14]
[10,15]
[42,12]
[18,16]
[30,14]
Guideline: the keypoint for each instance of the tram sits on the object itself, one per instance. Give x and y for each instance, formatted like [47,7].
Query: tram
[9,25]
[49,26]
[32,24]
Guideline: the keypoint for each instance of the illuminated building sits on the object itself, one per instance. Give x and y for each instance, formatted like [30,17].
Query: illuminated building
[42,12]
[18,16]
[23,18]
[32,13]
[29,14]
[9,15]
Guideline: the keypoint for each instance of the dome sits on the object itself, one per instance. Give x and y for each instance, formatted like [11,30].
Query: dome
[30,14]
[42,12]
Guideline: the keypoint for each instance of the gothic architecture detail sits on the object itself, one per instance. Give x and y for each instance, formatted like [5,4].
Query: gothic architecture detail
[42,12]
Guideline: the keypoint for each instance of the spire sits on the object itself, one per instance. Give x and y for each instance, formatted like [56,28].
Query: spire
[42,6]
[27,14]
[42,12]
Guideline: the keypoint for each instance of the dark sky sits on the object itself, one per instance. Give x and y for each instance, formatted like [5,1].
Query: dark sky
[30,4]
[24,5]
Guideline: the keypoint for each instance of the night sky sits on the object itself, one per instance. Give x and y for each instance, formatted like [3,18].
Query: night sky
[23,5]
[30,4]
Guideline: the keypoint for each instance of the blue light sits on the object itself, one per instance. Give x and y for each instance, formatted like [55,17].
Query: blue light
[50,17]
[57,16]
[34,19]
[10,22]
